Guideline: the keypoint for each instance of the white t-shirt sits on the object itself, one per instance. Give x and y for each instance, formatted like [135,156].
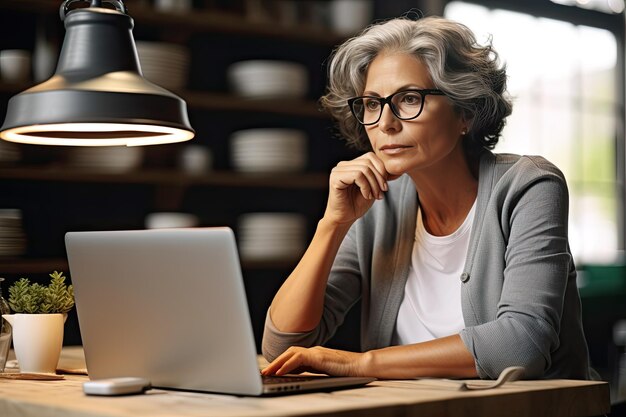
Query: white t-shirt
[431,307]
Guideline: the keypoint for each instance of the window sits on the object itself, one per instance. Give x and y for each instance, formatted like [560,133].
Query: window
[562,78]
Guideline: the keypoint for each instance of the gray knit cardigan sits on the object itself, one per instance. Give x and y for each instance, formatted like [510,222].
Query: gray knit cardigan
[519,296]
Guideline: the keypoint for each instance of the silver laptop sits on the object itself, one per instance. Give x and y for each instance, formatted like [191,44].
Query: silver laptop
[169,305]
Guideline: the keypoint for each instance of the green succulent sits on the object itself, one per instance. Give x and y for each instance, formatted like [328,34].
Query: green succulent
[28,298]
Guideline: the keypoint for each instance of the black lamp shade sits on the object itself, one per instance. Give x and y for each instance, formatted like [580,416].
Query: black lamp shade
[97,97]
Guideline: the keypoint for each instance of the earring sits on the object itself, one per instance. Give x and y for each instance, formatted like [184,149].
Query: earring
[464,132]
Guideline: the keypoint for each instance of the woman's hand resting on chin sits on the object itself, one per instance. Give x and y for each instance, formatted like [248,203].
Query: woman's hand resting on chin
[354,186]
[317,359]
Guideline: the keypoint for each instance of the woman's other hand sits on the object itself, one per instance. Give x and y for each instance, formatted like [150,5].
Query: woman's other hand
[354,186]
[442,358]
[317,359]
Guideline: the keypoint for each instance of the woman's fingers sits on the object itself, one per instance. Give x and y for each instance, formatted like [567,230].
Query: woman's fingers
[353,187]
[292,363]
[317,359]
[293,360]
[367,172]
[346,176]
[285,363]
[379,168]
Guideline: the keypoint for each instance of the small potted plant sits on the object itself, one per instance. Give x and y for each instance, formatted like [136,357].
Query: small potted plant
[40,312]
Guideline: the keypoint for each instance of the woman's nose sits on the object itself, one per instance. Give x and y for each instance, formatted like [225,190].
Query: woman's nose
[388,121]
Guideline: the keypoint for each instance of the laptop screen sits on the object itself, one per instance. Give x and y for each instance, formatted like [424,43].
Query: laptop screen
[167,305]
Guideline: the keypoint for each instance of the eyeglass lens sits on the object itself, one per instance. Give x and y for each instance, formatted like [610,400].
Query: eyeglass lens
[405,105]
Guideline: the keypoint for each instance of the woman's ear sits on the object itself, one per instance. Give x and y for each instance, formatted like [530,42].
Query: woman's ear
[464,123]
[464,126]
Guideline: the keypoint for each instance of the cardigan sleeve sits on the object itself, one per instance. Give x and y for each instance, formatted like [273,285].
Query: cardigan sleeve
[526,328]
[343,290]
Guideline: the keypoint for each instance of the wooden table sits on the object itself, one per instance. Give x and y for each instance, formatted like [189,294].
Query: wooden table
[426,397]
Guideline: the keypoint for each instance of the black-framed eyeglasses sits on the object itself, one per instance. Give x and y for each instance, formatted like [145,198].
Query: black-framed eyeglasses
[405,105]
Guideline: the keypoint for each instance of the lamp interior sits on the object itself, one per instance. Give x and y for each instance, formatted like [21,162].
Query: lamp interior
[96,134]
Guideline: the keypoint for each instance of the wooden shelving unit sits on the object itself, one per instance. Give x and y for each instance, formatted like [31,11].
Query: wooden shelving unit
[171,185]
[196,21]
[215,39]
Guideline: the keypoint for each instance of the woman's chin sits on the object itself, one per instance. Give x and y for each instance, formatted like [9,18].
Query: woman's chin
[394,170]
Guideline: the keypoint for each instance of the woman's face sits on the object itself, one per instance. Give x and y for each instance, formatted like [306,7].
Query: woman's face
[405,146]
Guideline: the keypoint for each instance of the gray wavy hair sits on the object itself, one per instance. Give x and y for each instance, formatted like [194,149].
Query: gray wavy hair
[469,74]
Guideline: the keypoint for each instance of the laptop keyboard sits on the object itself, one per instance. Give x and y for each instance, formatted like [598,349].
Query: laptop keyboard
[272,379]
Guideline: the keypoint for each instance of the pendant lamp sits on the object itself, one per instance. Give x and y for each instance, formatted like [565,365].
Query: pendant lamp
[97,96]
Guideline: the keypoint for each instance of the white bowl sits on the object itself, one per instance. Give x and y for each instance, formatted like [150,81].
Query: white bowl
[111,159]
[264,236]
[272,221]
[268,79]
[166,220]
[350,16]
[11,213]
[269,150]
[195,159]
[15,65]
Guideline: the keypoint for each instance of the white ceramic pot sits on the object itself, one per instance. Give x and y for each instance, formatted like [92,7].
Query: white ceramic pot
[37,340]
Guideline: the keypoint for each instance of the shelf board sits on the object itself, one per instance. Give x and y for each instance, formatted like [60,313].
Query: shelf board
[167,177]
[24,266]
[198,20]
[220,101]
[32,266]
[225,102]
[230,23]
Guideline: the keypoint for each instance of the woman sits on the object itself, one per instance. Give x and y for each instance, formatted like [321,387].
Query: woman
[459,256]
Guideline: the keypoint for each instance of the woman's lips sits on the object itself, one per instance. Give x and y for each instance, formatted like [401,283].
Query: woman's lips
[393,149]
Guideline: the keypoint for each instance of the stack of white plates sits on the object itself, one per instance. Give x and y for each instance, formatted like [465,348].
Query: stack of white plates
[268,79]
[268,150]
[12,236]
[107,158]
[271,236]
[165,64]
